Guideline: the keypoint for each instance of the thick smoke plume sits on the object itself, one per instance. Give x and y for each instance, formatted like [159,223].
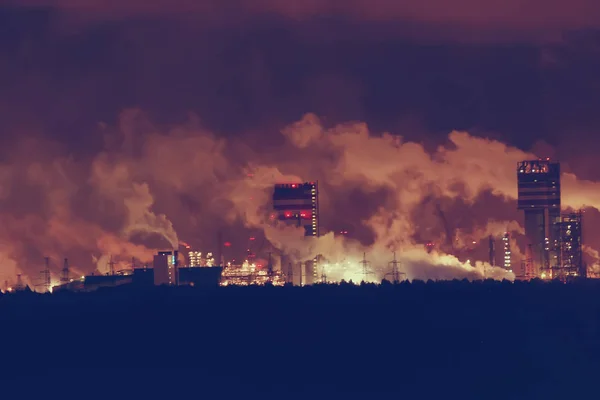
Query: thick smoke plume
[151,187]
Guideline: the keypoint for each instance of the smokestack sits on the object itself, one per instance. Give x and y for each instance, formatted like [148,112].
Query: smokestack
[220,258]
[65,272]
[492,251]
[270,266]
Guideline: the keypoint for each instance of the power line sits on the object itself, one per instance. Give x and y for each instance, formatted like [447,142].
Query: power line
[46,275]
[395,272]
[365,266]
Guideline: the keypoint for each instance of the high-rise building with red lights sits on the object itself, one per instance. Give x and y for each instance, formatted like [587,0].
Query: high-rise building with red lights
[539,198]
[298,204]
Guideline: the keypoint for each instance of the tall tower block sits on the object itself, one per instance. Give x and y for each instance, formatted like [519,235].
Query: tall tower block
[298,204]
[166,268]
[539,198]
[571,247]
[507,253]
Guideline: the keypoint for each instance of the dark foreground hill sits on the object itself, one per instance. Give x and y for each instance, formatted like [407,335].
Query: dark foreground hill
[422,340]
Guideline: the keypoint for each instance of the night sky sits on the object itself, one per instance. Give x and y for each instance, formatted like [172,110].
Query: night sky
[115,113]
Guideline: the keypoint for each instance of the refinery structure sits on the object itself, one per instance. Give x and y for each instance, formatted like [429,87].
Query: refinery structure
[297,204]
[553,245]
[554,241]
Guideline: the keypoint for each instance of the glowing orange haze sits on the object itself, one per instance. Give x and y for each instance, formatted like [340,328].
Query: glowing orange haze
[148,189]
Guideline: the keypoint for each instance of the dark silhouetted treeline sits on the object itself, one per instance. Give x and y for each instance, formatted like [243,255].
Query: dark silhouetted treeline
[415,340]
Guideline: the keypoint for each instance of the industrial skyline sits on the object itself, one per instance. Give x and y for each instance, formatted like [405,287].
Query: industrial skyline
[557,241]
[297,204]
[325,197]
[553,242]
[539,198]
[405,153]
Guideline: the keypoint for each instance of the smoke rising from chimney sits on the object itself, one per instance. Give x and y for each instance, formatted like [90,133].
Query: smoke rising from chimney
[151,187]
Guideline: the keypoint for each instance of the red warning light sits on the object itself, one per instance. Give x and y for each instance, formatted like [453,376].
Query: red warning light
[293,185]
[288,214]
[227,244]
[252,238]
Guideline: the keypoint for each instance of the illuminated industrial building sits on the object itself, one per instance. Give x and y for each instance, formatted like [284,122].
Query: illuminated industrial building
[195,258]
[298,204]
[571,247]
[166,271]
[507,253]
[539,198]
[248,274]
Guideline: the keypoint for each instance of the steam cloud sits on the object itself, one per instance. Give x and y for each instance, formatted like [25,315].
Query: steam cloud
[149,188]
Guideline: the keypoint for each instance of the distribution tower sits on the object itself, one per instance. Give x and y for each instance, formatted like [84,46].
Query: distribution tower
[539,198]
[298,204]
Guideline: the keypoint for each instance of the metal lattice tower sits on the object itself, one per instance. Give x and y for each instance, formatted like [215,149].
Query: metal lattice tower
[365,266]
[395,272]
[529,265]
[46,275]
[111,266]
[323,274]
[65,272]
